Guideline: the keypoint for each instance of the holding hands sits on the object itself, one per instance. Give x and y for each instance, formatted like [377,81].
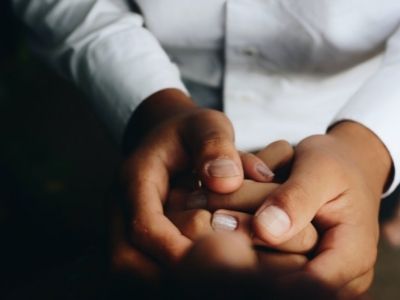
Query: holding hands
[334,188]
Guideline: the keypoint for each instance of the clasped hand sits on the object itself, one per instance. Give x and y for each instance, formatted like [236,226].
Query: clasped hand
[334,188]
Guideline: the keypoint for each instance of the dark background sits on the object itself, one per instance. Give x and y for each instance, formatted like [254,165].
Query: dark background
[56,168]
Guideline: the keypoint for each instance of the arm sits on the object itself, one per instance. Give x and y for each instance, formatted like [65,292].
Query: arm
[103,47]
[376,106]
[337,181]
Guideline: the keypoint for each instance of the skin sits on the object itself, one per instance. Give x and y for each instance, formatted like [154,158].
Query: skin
[167,136]
[339,179]
[196,223]
[336,182]
[169,142]
[233,269]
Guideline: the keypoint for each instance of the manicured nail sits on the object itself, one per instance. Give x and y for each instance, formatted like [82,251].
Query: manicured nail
[264,170]
[221,168]
[223,222]
[197,200]
[274,220]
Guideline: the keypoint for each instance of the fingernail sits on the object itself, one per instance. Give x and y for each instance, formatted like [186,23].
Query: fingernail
[221,168]
[197,200]
[223,222]
[264,170]
[275,220]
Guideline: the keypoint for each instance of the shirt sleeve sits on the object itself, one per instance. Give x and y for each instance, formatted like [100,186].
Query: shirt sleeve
[376,104]
[104,48]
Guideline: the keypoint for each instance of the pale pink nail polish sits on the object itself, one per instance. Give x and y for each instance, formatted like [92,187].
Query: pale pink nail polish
[224,222]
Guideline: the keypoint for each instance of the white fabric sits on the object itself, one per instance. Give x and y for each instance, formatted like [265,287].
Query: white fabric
[288,68]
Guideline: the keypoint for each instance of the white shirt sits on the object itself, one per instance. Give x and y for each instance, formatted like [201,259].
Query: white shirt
[287,68]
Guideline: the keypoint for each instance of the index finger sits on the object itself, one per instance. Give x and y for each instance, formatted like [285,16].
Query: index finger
[148,182]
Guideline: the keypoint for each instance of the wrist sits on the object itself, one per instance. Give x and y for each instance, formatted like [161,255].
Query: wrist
[152,112]
[366,151]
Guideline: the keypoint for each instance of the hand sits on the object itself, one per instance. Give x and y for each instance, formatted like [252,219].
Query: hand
[225,265]
[195,223]
[169,135]
[336,181]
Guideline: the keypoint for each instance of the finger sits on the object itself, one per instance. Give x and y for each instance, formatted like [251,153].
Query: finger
[220,266]
[357,287]
[147,185]
[194,224]
[125,258]
[300,285]
[254,168]
[177,200]
[338,258]
[222,251]
[302,243]
[276,154]
[280,263]
[226,220]
[260,167]
[211,140]
[239,200]
[293,205]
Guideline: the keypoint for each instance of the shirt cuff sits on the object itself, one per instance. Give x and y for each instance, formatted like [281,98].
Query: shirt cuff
[118,74]
[377,107]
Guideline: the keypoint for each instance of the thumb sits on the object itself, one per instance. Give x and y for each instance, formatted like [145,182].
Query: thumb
[209,135]
[314,181]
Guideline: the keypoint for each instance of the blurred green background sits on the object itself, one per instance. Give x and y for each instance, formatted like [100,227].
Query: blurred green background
[56,168]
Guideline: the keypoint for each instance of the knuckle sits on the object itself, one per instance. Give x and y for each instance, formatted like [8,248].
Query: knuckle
[290,195]
[140,230]
[212,115]
[205,116]
[212,139]
[199,224]
[215,145]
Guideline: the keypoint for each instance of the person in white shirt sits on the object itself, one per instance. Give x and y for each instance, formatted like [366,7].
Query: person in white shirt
[320,74]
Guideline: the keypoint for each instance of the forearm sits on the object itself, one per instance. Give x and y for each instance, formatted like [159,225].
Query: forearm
[83,40]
